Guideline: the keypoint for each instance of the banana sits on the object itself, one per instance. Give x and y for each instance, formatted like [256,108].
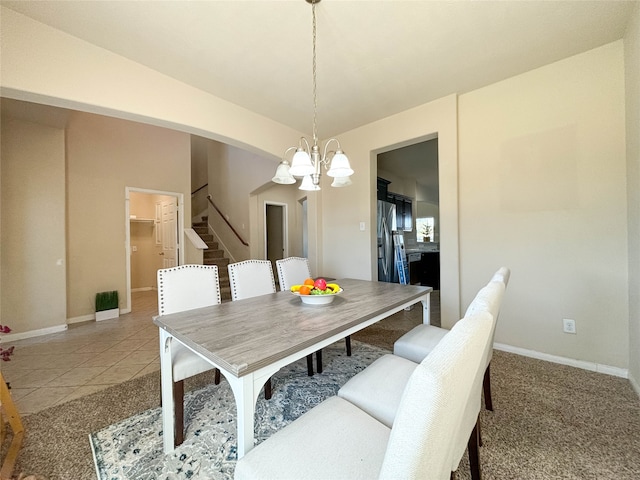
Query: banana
[295,288]
[334,287]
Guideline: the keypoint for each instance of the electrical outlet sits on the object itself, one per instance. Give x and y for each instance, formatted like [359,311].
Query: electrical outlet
[568,325]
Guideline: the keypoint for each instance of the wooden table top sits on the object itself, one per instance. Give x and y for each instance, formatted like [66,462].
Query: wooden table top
[245,335]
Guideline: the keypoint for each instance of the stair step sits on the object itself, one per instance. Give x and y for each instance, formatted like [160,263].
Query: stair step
[214,256]
[220,262]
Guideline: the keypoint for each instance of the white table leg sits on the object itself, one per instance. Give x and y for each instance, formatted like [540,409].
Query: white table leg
[243,392]
[426,309]
[166,375]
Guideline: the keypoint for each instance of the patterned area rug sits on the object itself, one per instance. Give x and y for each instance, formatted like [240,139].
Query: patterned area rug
[132,448]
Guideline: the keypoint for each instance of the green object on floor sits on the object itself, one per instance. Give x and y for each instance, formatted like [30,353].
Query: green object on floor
[106,300]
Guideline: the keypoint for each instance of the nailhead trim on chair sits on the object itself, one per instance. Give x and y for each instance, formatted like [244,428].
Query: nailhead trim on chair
[162,272]
[232,275]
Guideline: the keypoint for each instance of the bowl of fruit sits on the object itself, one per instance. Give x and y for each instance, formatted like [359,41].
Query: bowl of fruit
[316,292]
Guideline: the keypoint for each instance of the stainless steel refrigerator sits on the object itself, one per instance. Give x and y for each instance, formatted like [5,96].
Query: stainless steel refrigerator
[387,270]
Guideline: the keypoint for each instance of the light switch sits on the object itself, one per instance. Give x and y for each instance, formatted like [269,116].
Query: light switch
[362,226]
[134,248]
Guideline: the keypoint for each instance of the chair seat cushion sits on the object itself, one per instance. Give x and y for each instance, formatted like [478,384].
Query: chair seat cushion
[378,388]
[186,363]
[334,440]
[417,343]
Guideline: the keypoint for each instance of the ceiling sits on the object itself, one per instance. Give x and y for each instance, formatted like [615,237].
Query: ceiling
[374,58]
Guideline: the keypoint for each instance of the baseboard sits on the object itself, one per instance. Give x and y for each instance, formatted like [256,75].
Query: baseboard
[81,318]
[634,384]
[12,337]
[591,366]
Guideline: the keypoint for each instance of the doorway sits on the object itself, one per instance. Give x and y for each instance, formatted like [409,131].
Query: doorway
[409,178]
[153,236]
[275,235]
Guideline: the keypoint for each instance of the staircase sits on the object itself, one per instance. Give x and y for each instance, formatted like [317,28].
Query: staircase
[214,256]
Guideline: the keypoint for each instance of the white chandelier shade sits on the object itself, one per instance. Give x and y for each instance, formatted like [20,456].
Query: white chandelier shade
[283,175]
[307,161]
[308,185]
[341,182]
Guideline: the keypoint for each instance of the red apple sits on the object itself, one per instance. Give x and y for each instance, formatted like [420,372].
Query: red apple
[320,284]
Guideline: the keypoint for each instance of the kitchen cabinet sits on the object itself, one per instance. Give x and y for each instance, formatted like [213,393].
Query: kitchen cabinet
[430,270]
[383,187]
[404,211]
[404,207]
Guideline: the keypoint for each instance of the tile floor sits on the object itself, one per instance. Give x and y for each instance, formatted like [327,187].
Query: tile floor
[47,370]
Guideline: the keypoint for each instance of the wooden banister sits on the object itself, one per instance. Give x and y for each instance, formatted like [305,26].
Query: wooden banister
[200,188]
[226,221]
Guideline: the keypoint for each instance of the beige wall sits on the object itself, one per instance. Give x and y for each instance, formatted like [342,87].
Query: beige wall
[33,227]
[542,191]
[105,155]
[632,86]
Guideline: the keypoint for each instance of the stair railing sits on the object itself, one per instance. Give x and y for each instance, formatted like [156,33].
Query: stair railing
[226,221]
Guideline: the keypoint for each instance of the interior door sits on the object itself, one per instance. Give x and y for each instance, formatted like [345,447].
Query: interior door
[169,233]
[275,232]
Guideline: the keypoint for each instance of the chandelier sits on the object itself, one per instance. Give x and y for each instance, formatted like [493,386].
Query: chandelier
[307,161]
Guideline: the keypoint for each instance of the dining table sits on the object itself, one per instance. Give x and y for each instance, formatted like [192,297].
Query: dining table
[251,339]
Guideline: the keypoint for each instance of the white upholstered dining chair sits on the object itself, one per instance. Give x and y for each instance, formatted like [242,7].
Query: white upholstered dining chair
[416,344]
[348,443]
[179,289]
[251,278]
[379,388]
[294,271]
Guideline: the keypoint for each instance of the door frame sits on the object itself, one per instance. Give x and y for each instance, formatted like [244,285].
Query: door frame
[285,228]
[127,228]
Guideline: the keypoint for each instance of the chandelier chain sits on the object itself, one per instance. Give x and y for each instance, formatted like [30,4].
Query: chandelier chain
[315,94]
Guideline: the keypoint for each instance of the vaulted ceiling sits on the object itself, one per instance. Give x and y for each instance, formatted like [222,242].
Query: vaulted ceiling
[375,58]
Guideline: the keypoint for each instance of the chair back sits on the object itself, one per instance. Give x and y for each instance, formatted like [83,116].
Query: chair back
[187,287]
[502,275]
[251,278]
[292,271]
[429,415]
[487,300]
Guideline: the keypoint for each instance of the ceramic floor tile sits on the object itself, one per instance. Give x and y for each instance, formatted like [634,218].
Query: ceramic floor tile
[37,378]
[48,348]
[104,359]
[42,398]
[61,360]
[143,357]
[116,374]
[151,345]
[78,376]
[152,367]
[85,390]
[17,393]
[98,347]
[129,345]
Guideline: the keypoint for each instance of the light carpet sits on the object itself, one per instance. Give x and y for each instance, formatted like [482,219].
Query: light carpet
[132,448]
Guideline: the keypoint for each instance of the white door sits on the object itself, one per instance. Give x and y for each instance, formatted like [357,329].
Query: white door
[169,233]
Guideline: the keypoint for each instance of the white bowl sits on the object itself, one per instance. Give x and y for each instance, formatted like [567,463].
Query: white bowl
[318,299]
